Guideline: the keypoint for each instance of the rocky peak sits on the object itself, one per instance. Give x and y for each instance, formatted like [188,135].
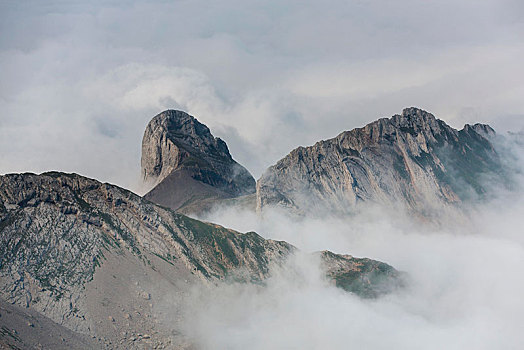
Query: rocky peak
[483,130]
[183,162]
[415,116]
[414,126]
[412,158]
[417,120]
[176,129]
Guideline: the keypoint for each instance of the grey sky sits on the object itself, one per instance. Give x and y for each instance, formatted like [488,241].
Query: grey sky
[80,80]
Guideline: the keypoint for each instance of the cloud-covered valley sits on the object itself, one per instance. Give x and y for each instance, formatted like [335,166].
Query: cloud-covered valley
[464,282]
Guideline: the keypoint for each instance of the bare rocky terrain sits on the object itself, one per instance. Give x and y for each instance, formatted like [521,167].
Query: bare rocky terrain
[186,165]
[413,160]
[99,266]
[85,264]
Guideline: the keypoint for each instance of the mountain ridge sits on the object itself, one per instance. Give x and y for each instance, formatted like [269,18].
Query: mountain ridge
[408,158]
[99,260]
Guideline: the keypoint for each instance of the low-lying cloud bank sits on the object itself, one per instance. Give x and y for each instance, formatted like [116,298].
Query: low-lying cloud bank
[465,283]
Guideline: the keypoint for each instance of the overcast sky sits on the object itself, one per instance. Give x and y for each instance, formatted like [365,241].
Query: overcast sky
[80,80]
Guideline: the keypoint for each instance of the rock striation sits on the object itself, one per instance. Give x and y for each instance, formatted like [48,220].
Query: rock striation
[183,163]
[101,261]
[412,159]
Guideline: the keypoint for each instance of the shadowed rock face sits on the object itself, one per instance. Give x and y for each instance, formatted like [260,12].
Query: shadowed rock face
[98,259]
[184,163]
[413,159]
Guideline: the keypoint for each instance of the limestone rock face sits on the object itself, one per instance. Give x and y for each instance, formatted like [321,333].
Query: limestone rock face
[180,155]
[56,227]
[412,159]
[102,261]
[482,129]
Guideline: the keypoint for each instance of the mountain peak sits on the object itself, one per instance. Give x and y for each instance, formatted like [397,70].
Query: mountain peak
[418,119]
[413,158]
[483,130]
[416,113]
[172,137]
[181,122]
[183,161]
[187,131]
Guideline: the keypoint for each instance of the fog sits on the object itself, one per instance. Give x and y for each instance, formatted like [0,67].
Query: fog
[464,290]
[80,80]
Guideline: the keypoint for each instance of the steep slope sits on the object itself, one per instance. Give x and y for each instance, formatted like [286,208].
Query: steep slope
[100,260]
[23,328]
[412,159]
[184,163]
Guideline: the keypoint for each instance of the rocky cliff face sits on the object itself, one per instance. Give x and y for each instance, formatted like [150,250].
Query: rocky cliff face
[183,162]
[98,259]
[412,159]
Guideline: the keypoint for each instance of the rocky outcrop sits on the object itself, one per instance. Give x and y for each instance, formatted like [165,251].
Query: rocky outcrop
[184,163]
[362,276]
[484,130]
[56,227]
[99,260]
[412,159]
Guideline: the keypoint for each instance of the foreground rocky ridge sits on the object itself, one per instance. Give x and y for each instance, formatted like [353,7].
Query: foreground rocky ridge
[412,159]
[97,259]
[184,163]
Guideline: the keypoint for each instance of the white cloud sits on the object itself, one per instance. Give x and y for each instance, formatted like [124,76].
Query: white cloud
[80,81]
[464,286]
[265,76]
